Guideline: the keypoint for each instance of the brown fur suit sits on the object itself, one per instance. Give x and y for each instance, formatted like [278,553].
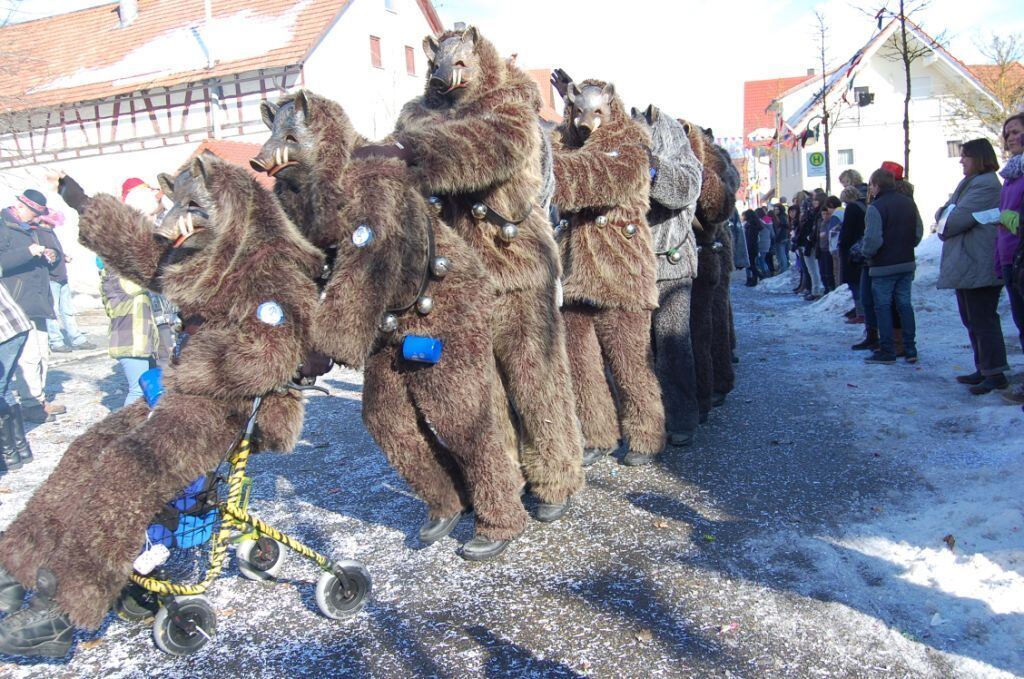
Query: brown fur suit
[609,280]
[481,144]
[88,520]
[711,314]
[407,406]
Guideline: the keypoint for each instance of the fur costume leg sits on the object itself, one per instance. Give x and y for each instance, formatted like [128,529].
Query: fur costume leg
[673,355]
[34,535]
[625,338]
[721,310]
[455,397]
[410,447]
[701,326]
[595,405]
[529,342]
[116,498]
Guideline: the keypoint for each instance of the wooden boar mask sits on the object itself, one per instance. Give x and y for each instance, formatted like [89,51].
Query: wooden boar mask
[190,211]
[591,107]
[453,62]
[282,155]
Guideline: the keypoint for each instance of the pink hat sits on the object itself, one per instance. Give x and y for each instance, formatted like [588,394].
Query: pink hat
[128,185]
[54,218]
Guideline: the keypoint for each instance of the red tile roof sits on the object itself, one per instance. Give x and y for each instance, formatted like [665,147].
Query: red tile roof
[757,95]
[542,77]
[237,152]
[989,74]
[63,46]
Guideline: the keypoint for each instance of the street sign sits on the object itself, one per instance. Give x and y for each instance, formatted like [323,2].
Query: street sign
[815,164]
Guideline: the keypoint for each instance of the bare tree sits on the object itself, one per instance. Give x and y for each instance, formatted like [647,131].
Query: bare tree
[1003,77]
[822,54]
[907,51]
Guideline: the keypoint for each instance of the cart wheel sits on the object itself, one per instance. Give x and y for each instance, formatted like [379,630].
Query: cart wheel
[196,624]
[333,601]
[136,603]
[259,559]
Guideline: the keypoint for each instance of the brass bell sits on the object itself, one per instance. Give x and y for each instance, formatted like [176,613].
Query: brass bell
[674,256]
[509,232]
[389,323]
[440,267]
[425,305]
[630,230]
[479,211]
[435,203]
[601,220]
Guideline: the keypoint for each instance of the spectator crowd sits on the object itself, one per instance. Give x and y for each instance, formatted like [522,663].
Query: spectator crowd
[37,316]
[865,238]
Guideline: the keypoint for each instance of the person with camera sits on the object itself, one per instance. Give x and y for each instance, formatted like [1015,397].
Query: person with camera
[25,265]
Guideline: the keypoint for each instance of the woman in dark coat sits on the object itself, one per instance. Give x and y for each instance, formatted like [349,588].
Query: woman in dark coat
[851,231]
[752,226]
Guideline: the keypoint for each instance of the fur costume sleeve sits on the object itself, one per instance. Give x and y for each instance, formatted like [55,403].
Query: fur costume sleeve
[356,296]
[472,153]
[252,353]
[123,238]
[609,169]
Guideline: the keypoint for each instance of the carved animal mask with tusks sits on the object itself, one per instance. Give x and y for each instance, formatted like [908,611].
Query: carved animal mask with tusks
[453,62]
[283,150]
[190,211]
[591,107]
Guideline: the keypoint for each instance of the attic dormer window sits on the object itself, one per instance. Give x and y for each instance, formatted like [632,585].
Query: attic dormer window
[921,87]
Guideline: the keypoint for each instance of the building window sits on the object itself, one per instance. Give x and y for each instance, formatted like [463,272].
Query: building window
[410,60]
[375,52]
[953,148]
[921,87]
[389,5]
[846,156]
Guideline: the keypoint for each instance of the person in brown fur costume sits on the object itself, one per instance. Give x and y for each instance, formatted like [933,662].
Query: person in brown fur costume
[400,272]
[602,186]
[710,318]
[243,280]
[473,142]
[724,343]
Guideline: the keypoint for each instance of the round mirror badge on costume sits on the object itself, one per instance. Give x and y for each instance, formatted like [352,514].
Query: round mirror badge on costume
[362,236]
[270,313]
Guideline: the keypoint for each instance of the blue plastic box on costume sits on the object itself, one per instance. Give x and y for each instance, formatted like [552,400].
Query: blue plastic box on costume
[421,349]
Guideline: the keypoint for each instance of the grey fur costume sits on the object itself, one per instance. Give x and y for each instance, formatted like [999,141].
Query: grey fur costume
[674,191]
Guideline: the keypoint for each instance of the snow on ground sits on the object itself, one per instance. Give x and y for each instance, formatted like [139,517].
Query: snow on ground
[800,535]
[968,452]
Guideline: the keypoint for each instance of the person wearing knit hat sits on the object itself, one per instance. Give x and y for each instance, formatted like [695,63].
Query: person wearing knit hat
[141,332]
[143,197]
[25,263]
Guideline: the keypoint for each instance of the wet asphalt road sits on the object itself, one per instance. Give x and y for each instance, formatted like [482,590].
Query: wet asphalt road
[691,567]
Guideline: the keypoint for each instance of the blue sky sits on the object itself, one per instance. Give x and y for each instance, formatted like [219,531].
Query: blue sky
[688,57]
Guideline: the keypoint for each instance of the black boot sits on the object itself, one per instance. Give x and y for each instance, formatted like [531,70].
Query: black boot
[433,530]
[11,592]
[483,549]
[870,341]
[42,629]
[548,512]
[18,435]
[592,455]
[9,457]
[635,459]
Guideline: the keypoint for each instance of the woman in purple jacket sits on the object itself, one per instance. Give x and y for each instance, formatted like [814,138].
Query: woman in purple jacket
[1011,201]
